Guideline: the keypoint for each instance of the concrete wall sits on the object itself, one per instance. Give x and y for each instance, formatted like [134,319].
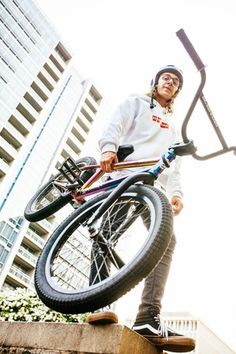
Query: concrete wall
[58,338]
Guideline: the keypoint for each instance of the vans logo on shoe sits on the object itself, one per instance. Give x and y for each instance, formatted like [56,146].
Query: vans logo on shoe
[159,121]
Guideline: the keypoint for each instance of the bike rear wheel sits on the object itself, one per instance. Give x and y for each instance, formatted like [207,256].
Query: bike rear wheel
[134,244]
[50,198]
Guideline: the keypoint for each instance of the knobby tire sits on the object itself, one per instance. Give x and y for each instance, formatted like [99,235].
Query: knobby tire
[140,237]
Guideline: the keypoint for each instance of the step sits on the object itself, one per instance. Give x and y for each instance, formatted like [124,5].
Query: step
[73,338]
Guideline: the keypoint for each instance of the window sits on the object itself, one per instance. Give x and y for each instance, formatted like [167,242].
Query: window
[11,50]
[27,18]
[3,254]
[3,79]
[13,34]
[19,24]
[5,62]
[7,234]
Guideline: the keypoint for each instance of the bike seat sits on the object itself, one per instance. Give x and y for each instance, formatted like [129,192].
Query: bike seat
[124,151]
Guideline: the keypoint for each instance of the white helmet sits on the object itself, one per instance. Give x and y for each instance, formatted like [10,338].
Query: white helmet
[168,69]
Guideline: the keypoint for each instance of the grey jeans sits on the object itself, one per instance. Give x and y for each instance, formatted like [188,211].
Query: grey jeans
[155,282]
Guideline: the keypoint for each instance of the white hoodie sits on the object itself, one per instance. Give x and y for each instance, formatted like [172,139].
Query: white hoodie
[150,131]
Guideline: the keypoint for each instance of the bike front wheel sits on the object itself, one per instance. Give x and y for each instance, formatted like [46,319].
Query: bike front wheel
[50,198]
[78,272]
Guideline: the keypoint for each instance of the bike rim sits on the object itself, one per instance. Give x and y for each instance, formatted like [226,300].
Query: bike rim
[71,258]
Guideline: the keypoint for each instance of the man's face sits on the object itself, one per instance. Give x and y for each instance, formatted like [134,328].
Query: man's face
[168,84]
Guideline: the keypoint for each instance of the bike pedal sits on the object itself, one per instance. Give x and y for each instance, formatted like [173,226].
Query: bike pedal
[70,170]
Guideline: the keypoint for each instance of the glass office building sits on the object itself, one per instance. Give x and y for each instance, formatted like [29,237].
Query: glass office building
[46,113]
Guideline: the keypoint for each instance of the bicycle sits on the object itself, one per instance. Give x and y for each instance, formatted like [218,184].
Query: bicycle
[70,277]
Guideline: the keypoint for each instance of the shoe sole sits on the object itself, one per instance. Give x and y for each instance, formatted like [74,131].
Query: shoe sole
[101,318]
[173,344]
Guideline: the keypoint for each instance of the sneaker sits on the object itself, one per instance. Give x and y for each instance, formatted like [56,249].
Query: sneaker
[153,328]
[102,317]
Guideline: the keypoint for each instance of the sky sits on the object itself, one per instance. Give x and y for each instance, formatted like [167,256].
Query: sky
[120,45]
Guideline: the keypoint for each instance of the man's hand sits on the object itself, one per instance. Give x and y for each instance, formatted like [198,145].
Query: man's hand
[107,159]
[177,205]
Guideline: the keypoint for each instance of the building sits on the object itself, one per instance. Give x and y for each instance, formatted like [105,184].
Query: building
[46,113]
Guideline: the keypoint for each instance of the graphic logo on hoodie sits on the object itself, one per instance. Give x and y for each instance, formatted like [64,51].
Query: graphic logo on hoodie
[160,122]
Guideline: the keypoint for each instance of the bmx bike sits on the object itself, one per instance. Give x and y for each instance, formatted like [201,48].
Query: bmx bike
[119,229]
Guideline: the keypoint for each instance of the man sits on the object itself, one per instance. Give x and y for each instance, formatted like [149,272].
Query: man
[145,122]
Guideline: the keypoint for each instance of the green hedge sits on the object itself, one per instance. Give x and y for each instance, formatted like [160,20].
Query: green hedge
[24,305]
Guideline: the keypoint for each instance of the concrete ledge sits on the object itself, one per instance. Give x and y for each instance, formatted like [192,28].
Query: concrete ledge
[62,338]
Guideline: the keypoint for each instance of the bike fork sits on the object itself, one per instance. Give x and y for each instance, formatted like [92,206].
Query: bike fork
[116,193]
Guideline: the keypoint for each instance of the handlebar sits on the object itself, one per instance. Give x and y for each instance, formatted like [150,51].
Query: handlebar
[200,96]
[190,49]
